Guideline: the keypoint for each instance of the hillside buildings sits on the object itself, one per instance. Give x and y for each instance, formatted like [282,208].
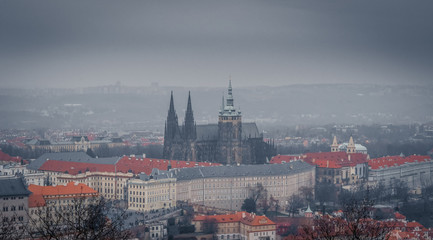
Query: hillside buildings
[337,167]
[241,225]
[14,198]
[76,144]
[109,176]
[227,187]
[414,171]
[229,142]
[148,193]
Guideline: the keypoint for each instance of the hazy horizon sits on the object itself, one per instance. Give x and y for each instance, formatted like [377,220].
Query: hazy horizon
[194,43]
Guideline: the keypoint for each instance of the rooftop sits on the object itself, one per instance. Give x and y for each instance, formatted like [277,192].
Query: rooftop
[79,162]
[13,187]
[395,161]
[244,217]
[71,188]
[242,170]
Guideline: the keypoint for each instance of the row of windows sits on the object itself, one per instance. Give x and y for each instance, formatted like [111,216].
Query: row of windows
[12,198]
[13,219]
[13,208]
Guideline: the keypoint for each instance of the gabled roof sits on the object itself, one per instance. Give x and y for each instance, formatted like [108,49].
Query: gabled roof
[71,188]
[13,187]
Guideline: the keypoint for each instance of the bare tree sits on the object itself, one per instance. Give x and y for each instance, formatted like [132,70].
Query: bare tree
[82,218]
[11,227]
[258,192]
[294,202]
[355,222]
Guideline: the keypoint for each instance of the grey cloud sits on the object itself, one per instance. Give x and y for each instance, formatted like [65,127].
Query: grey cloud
[76,43]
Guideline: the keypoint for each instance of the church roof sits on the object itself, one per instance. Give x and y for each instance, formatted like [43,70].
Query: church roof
[209,132]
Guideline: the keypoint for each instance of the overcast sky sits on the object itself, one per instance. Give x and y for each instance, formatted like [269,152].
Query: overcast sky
[200,43]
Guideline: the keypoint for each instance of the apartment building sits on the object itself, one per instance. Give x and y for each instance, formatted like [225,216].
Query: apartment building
[414,171]
[46,201]
[146,193]
[14,198]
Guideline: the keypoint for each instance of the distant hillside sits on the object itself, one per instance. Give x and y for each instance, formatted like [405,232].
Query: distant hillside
[128,108]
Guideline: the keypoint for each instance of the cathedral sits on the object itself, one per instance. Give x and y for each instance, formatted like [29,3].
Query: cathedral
[228,142]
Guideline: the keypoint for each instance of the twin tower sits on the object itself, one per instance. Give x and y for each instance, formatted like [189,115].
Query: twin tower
[228,142]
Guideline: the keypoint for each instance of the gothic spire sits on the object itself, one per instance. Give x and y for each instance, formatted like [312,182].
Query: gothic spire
[189,125]
[171,108]
[172,125]
[230,95]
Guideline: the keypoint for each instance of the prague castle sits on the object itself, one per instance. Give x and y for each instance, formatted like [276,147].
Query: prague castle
[228,142]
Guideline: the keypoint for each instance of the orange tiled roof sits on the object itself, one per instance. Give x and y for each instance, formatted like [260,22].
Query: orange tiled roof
[70,189]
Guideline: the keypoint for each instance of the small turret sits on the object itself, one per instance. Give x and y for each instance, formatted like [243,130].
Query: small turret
[351,146]
[334,146]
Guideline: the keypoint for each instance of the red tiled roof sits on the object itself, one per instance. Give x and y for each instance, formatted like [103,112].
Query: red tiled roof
[125,164]
[283,159]
[342,158]
[326,159]
[139,165]
[326,163]
[70,189]
[75,168]
[36,200]
[4,157]
[399,216]
[393,161]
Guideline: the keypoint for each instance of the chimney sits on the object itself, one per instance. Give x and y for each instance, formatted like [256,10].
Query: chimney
[327,164]
[144,155]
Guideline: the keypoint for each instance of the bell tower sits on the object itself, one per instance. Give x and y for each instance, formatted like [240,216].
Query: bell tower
[351,146]
[230,130]
[334,146]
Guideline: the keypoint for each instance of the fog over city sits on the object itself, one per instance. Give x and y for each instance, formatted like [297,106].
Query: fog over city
[216,120]
[189,43]
[291,62]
